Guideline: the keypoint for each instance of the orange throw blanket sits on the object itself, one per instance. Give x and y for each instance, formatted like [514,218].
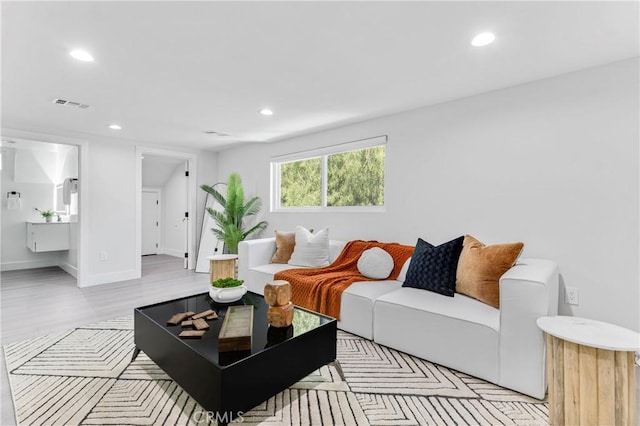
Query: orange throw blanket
[320,289]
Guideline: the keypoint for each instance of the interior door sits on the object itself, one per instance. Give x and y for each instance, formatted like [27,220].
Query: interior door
[150,218]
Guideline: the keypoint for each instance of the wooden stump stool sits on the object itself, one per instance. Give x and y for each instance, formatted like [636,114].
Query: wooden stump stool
[590,370]
[222,266]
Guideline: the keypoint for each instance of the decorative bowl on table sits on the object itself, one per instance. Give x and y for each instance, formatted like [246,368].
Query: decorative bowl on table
[227,290]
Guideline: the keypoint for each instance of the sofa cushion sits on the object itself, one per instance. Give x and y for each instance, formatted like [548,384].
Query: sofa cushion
[458,332]
[375,263]
[310,250]
[272,268]
[255,278]
[356,306]
[434,268]
[480,268]
[335,248]
[285,242]
[459,307]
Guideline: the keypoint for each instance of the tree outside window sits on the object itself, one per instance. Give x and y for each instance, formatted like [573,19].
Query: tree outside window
[301,183]
[356,178]
[335,179]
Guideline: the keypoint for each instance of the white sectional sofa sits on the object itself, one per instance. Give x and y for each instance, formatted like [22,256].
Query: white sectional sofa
[503,346]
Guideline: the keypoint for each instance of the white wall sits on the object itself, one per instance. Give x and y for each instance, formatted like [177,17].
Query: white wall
[69,164]
[174,204]
[69,169]
[553,163]
[112,219]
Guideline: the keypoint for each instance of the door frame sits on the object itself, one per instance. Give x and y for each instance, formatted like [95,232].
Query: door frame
[83,190]
[191,200]
[158,192]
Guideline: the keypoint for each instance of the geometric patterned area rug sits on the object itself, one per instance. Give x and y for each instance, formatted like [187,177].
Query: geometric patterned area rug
[84,377]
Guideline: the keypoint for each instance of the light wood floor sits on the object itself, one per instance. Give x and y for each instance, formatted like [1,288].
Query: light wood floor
[41,301]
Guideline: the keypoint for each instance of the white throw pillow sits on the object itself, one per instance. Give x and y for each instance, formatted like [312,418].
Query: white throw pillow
[310,249]
[375,263]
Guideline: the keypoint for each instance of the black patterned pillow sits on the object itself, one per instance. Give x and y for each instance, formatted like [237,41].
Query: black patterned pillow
[434,268]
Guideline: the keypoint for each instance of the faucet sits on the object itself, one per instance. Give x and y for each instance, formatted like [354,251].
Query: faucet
[59,218]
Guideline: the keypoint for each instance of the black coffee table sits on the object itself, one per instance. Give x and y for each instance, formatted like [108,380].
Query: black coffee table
[228,384]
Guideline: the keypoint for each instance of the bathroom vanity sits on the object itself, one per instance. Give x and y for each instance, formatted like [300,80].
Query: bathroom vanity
[47,236]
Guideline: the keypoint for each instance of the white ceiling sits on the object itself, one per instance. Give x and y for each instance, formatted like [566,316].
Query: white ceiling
[168,71]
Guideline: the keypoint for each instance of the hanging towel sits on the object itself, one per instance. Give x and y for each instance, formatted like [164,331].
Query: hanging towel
[13,203]
[67,188]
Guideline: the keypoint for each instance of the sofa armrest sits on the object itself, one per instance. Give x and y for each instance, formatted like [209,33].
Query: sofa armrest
[528,290]
[253,253]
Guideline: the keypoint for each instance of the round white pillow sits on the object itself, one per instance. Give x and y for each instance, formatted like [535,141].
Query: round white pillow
[375,263]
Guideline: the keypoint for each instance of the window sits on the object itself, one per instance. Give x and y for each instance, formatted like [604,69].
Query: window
[347,176]
[301,183]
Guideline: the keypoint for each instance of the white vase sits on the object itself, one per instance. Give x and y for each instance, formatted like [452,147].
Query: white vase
[228,294]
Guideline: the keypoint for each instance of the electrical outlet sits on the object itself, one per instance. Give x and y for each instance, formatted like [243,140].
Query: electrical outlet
[571,295]
[104,256]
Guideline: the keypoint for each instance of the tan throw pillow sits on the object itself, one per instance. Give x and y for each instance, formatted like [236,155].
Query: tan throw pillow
[285,242]
[480,268]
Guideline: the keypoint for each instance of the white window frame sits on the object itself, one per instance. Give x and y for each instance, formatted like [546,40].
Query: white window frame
[323,153]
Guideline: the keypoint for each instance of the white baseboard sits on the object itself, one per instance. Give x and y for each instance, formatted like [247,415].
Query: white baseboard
[28,264]
[171,252]
[99,279]
[69,269]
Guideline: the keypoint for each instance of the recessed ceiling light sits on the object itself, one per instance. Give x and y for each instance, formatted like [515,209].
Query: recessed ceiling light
[81,55]
[266,111]
[483,39]
[115,127]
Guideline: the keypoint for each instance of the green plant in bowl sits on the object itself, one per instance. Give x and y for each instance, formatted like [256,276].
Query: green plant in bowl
[227,283]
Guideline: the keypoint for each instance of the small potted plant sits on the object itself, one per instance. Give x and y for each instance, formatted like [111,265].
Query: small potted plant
[226,290]
[46,214]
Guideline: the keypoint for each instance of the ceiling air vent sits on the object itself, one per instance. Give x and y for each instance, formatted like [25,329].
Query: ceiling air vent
[213,132]
[70,103]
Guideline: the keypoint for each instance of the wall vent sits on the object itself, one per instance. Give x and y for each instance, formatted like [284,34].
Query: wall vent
[70,103]
[214,133]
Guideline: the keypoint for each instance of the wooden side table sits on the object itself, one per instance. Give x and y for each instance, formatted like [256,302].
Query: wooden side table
[590,370]
[222,266]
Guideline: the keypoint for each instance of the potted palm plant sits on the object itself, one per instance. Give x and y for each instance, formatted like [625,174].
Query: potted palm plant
[229,221]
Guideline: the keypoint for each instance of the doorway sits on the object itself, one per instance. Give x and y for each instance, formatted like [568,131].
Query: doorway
[48,173]
[165,205]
